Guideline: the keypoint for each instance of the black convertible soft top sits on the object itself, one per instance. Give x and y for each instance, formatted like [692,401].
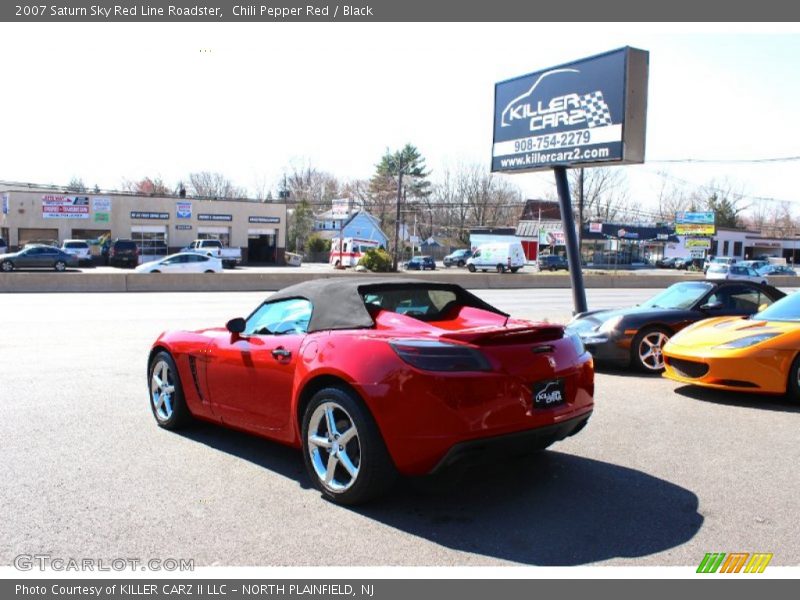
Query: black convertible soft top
[338,304]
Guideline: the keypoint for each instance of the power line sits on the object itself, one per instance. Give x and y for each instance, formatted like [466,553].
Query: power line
[733,161]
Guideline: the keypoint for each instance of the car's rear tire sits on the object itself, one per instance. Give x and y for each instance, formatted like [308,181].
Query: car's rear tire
[356,470]
[514,269]
[166,393]
[7,266]
[208,271]
[471,268]
[155,271]
[60,266]
[647,349]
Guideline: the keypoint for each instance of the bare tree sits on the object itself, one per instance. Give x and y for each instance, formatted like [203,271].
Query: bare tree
[148,186]
[306,182]
[605,193]
[672,199]
[207,184]
[76,185]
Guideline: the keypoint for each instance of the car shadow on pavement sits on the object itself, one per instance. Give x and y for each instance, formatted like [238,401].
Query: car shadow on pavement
[549,510]
[276,457]
[740,399]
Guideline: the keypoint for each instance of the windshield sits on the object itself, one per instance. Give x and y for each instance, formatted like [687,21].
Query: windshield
[785,309]
[718,268]
[679,295]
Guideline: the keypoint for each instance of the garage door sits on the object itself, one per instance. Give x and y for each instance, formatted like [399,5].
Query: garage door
[41,236]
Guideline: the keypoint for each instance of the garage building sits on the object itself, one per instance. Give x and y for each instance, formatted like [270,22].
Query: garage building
[158,224]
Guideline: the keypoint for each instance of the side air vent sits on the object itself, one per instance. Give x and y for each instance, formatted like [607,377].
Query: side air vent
[193,369]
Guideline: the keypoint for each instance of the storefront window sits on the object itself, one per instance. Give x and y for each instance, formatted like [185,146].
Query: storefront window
[224,238]
[151,243]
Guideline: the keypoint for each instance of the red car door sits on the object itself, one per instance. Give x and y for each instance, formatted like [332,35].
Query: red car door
[250,376]
[250,380]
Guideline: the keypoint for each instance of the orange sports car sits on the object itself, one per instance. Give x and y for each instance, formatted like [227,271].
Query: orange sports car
[760,353]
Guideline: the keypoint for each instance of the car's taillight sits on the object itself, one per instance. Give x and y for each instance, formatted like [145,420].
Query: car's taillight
[431,355]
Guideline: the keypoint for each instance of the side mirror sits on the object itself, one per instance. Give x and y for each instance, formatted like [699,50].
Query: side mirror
[236,326]
[711,306]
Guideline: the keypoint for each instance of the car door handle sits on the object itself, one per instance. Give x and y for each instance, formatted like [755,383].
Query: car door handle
[280,353]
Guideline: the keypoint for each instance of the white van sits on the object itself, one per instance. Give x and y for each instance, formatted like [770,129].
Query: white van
[498,256]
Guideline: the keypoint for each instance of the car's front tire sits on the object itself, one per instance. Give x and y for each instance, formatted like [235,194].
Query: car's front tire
[60,266]
[647,349]
[166,393]
[344,453]
[471,268]
[793,385]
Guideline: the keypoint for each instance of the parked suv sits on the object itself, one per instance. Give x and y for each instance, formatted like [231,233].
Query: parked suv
[553,263]
[457,258]
[79,249]
[123,253]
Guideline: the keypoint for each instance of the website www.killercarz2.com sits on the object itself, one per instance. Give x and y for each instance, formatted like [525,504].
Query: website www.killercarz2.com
[555,156]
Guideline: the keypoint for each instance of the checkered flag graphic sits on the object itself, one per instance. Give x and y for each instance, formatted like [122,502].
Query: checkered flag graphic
[596,110]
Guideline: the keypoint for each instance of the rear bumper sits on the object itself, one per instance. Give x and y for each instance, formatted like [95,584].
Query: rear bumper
[492,449]
[424,418]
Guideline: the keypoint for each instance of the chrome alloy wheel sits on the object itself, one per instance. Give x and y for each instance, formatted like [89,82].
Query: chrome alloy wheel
[650,350]
[334,447]
[162,387]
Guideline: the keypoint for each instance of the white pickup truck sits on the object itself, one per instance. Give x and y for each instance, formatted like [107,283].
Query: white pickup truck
[230,257]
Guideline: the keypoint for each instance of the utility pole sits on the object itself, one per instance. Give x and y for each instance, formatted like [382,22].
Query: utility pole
[397,219]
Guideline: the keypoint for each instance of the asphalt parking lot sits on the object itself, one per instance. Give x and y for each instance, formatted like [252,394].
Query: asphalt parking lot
[662,474]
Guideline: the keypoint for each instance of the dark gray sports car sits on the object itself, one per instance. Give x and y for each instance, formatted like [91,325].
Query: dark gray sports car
[635,336]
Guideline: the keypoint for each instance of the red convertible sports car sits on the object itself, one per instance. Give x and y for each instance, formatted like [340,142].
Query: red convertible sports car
[375,378]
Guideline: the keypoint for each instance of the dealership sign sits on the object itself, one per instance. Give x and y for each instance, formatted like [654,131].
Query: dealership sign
[55,206]
[695,223]
[694,229]
[183,210]
[699,243]
[214,217]
[588,112]
[264,219]
[695,218]
[141,214]
[101,204]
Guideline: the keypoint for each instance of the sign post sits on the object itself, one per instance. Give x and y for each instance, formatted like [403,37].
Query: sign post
[587,113]
[571,239]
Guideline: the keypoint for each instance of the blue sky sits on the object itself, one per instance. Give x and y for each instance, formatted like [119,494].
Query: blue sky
[112,101]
